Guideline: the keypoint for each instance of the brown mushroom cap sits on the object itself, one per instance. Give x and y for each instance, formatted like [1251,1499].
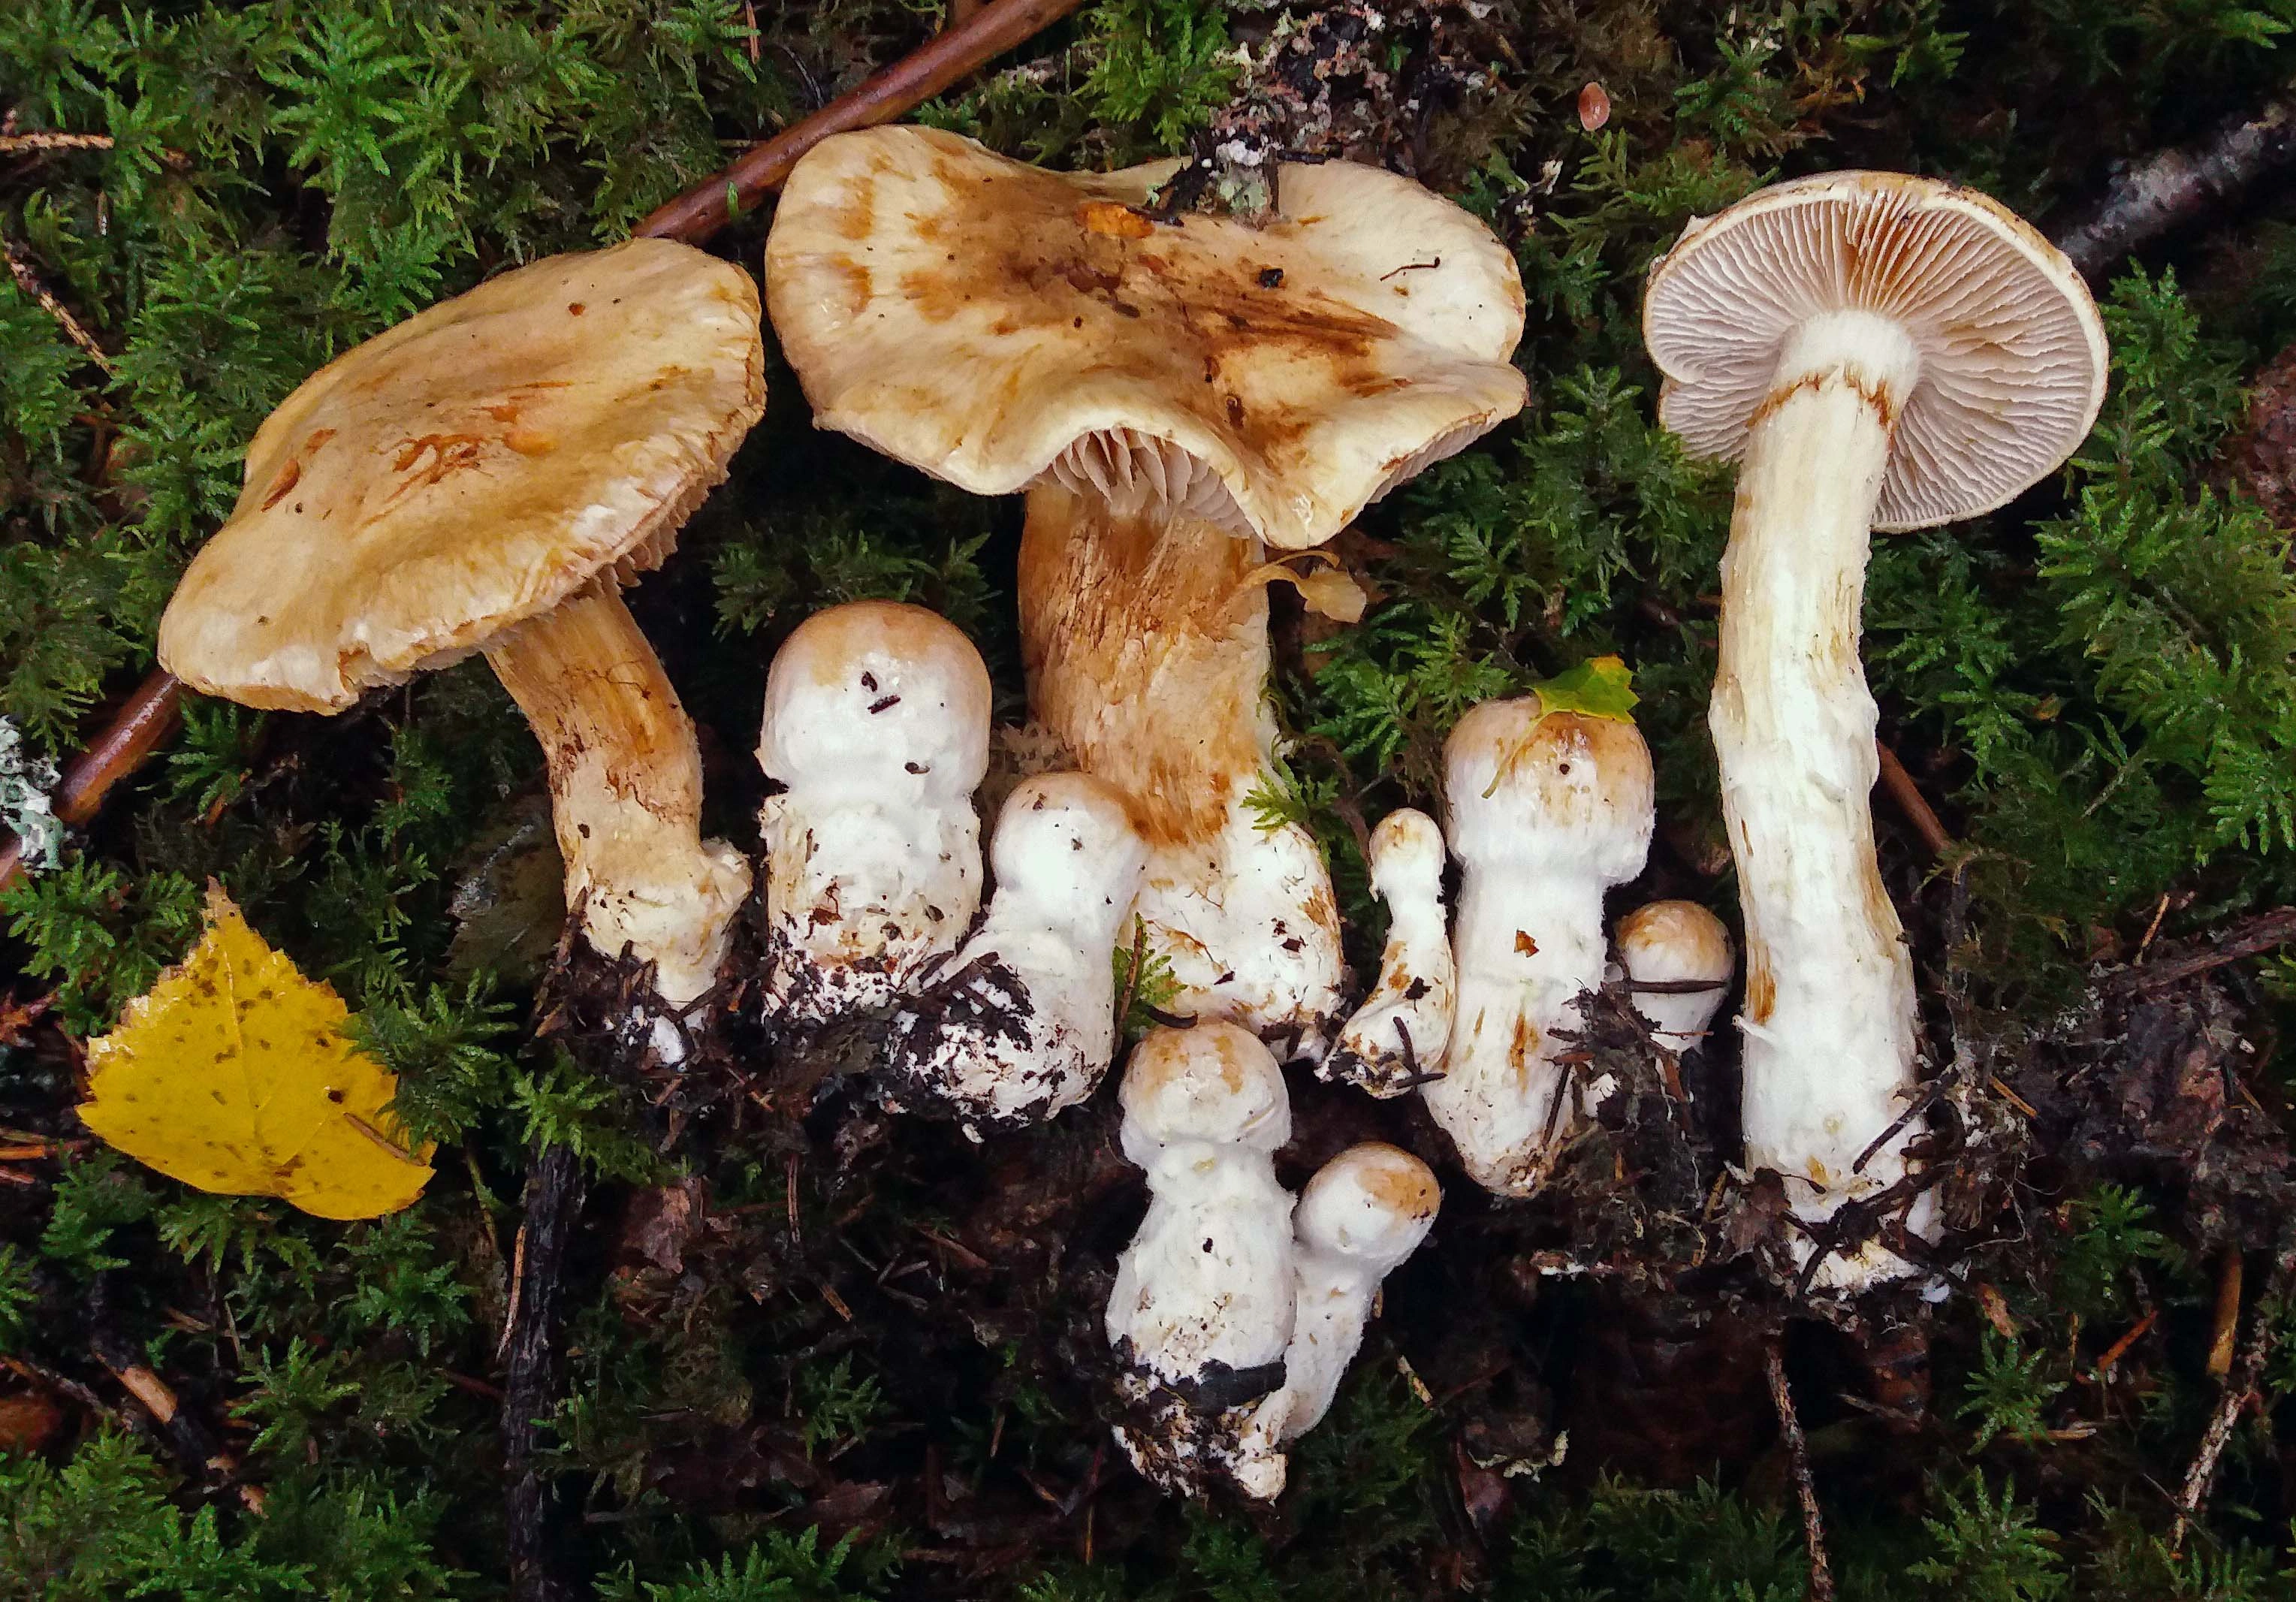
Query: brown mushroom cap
[469,470]
[2012,353]
[990,323]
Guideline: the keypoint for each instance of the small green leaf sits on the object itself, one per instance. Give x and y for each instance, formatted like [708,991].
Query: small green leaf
[1602,687]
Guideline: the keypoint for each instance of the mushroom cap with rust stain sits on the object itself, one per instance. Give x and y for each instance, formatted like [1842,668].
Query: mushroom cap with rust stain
[1567,790]
[469,470]
[2012,353]
[994,323]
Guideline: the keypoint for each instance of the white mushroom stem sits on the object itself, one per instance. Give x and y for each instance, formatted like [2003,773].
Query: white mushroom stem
[1024,1024]
[1547,812]
[1402,1029]
[1829,1006]
[1364,1212]
[626,790]
[1145,638]
[1669,944]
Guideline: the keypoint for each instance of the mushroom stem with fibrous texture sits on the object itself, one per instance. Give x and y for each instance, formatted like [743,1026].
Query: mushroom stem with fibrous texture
[1877,351]
[1397,1039]
[626,790]
[1178,395]
[1547,812]
[1144,635]
[1684,947]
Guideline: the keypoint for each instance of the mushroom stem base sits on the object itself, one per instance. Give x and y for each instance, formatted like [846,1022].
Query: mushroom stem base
[1145,639]
[1828,1018]
[626,790]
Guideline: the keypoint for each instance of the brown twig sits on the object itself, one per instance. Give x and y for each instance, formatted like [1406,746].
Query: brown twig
[1901,789]
[26,280]
[2225,1336]
[1813,1522]
[2174,188]
[915,77]
[2260,933]
[2240,1393]
[25,144]
[149,717]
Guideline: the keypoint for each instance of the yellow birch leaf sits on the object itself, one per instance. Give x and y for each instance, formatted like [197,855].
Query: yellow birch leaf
[237,1075]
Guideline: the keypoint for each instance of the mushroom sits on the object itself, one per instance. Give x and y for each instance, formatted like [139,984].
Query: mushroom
[1024,1025]
[1397,1036]
[485,477]
[877,723]
[1364,1212]
[1548,809]
[1201,1312]
[1876,351]
[1683,947]
[1175,393]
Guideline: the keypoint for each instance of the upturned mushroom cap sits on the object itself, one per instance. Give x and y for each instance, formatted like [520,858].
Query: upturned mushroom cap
[992,323]
[2012,353]
[1525,785]
[888,698]
[1212,1082]
[469,470]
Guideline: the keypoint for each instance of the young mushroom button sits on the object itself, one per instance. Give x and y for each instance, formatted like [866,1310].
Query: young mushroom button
[1176,394]
[1875,351]
[1682,948]
[1022,1021]
[1396,1040]
[877,726]
[1548,809]
[484,477]
[1203,1307]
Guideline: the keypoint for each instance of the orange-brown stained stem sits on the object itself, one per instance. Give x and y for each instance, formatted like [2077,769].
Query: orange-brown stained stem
[150,716]
[918,77]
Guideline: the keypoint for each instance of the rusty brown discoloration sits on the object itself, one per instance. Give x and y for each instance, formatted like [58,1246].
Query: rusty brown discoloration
[1174,305]
[1401,1184]
[1761,984]
[288,477]
[1146,647]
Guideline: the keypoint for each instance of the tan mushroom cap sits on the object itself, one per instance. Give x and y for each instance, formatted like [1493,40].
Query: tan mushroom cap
[2012,353]
[991,322]
[469,470]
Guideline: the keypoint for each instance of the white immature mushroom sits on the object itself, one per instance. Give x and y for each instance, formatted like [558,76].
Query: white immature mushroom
[1547,811]
[877,723]
[1176,394]
[1683,947]
[484,477]
[1397,1036]
[1202,1307]
[1022,1021]
[1362,1214]
[1876,351]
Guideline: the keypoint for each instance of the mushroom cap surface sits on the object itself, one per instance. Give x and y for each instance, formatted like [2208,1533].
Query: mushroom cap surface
[1372,1203]
[2013,352]
[1213,1081]
[879,694]
[1569,789]
[991,322]
[470,469]
[1673,942]
[1062,836]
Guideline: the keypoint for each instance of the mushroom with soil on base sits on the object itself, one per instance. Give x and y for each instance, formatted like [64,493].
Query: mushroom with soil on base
[1021,1023]
[876,726]
[485,477]
[1396,1038]
[1201,1310]
[1677,959]
[1547,811]
[1876,351]
[1362,1214]
[1176,394]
